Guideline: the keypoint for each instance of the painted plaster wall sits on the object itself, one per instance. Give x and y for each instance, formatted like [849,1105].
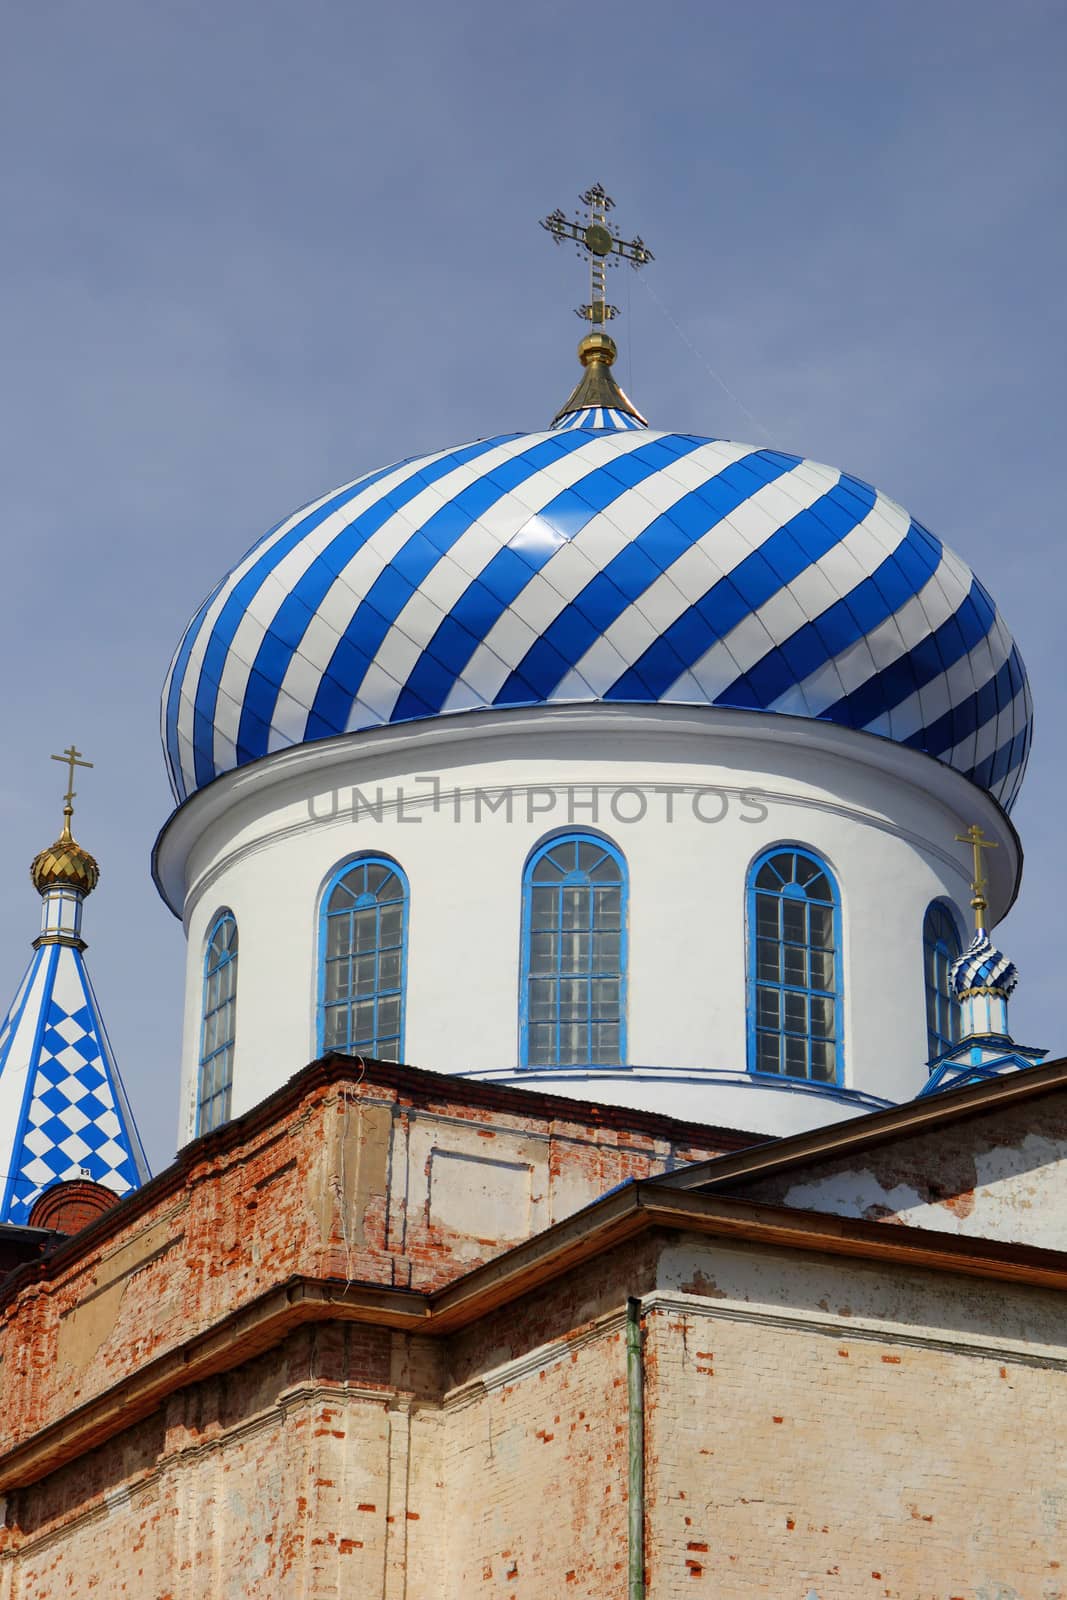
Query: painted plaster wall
[264,841]
[1001,1176]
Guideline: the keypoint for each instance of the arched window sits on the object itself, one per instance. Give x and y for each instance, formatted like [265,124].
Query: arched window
[574,954]
[794,1004]
[217,1032]
[941,946]
[364,944]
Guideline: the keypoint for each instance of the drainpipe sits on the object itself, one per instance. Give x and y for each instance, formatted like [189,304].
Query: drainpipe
[635,1390]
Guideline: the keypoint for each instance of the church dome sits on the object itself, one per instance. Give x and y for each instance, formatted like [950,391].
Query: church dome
[64,864]
[599,561]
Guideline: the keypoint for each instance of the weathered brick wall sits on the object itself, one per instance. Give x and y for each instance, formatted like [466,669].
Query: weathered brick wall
[815,1425]
[289,1477]
[406,1179]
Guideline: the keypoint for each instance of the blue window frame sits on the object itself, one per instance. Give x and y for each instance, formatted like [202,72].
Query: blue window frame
[794,967]
[218,1027]
[363,959]
[941,947]
[573,1006]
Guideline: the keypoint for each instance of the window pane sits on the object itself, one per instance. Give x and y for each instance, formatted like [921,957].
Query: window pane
[768,963]
[341,897]
[767,916]
[767,1048]
[573,999]
[335,1032]
[389,1016]
[822,1016]
[573,1045]
[575,907]
[768,1008]
[589,856]
[391,925]
[796,1013]
[606,1043]
[544,908]
[542,1000]
[822,969]
[795,964]
[541,1047]
[608,912]
[389,969]
[364,974]
[338,935]
[364,1019]
[607,952]
[575,950]
[821,922]
[796,1056]
[544,952]
[823,1065]
[795,921]
[605,998]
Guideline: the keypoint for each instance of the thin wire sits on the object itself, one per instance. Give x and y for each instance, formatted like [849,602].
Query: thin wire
[705,363]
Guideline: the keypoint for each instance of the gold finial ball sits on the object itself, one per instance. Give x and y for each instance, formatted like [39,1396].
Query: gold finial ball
[65,862]
[597,347]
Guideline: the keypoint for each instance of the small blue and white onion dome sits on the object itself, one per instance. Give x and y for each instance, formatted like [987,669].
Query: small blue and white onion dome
[64,1113]
[983,980]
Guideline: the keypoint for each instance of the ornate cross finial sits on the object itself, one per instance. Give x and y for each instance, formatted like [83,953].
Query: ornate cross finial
[979,883]
[595,238]
[73,758]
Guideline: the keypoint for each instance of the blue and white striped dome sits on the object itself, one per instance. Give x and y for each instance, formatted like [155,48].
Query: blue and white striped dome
[598,561]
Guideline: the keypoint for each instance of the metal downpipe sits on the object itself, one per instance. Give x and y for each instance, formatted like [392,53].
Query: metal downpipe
[635,1391]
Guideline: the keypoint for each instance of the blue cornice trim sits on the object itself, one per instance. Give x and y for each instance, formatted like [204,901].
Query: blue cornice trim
[739,1080]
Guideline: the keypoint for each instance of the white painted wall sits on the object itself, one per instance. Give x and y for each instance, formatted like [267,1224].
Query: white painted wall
[263,841]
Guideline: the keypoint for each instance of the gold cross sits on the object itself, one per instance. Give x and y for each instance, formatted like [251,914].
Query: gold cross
[73,759]
[601,243]
[979,883]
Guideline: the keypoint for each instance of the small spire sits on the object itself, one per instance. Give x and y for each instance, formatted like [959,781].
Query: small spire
[982,978]
[65,863]
[66,1115]
[596,392]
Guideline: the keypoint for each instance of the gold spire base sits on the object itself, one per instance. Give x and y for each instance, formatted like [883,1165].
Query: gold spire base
[596,387]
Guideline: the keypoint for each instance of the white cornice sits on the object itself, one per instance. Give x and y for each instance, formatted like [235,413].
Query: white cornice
[475,736]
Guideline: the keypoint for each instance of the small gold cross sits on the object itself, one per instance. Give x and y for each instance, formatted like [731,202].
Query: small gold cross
[73,758]
[979,883]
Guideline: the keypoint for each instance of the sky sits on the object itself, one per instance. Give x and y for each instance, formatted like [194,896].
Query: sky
[252,249]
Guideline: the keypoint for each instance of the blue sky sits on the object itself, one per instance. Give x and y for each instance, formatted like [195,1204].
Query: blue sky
[253,249]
